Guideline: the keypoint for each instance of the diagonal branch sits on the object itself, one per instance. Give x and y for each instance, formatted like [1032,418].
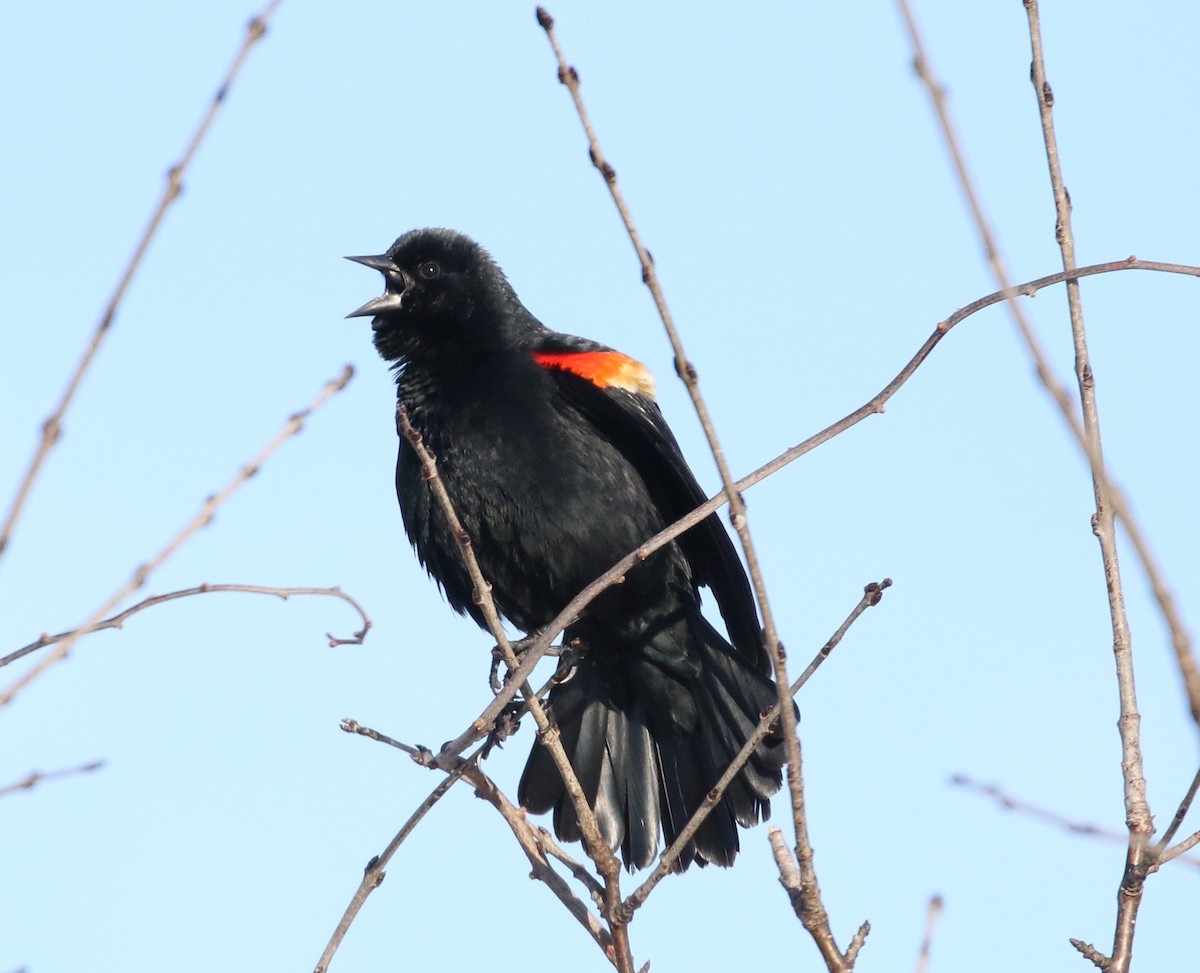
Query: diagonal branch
[872,594]
[52,427]
[374,874]
[594,843]
[688,374]
[1161,852]
[737,508]
[35,777]
[202,519]
[531,842]
[1009,803]
[1174,852]
[537,647]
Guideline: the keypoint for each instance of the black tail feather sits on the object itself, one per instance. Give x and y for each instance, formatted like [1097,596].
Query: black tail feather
[649,729]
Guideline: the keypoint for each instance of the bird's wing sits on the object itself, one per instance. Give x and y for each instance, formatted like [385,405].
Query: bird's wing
[616,394]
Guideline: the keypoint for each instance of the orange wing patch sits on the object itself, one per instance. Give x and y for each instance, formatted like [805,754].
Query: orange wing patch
[603,369]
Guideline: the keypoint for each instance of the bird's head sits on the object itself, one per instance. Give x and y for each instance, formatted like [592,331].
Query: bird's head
[443,294]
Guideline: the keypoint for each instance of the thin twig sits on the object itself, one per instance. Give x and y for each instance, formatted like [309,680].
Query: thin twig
[118,620]
[1010,803]
[806,897]
[1090,952]
[792,876]
[737,508]
[421,755]
[857,943]
[468,769]
[482,594]
[872,594]
[789,873]
[202,518]
[1109,502]
[52,427]
[578,871]
[931,918]
[374,873]
[1172,853]
[1160,850]
[515,818]
[35,777]
[548,734]
[1180,639]
[1137,808]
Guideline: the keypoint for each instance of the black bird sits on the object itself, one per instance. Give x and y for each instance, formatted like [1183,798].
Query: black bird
[559,463]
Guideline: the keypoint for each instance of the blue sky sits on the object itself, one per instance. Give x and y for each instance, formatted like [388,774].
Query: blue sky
[784,168]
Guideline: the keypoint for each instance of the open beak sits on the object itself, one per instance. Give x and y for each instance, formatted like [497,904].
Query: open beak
[383,304]
[383,263]
[390,300]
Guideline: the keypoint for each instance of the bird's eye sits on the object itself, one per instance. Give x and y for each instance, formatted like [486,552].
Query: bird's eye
[429,269]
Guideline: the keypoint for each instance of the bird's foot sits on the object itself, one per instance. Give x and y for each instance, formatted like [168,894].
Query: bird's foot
[519,649]
[507,723]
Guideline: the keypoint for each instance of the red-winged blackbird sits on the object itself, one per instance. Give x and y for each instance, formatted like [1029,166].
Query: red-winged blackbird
[559,463]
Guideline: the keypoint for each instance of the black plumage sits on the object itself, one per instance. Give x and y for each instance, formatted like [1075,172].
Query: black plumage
[559,463]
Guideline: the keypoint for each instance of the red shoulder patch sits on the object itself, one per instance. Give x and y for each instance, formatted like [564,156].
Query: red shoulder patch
[602,368]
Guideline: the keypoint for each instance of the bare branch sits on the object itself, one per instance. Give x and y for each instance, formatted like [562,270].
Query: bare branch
[118,620]
[802,895]
[593,842]
[483,588]
[806,897]
[789,874]
[1010,803]
[1090,952]
[515,818]
[35,777]
[1109,502]
[1180,639]
[52,427]
[538,646]
[872,594]
[1160,853]
[202,518]
[931,918]
[578,871]
[687,373]
[1137,808]
[374,874]
[531,843]
[421,755]
[1172,853]
[857,942]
